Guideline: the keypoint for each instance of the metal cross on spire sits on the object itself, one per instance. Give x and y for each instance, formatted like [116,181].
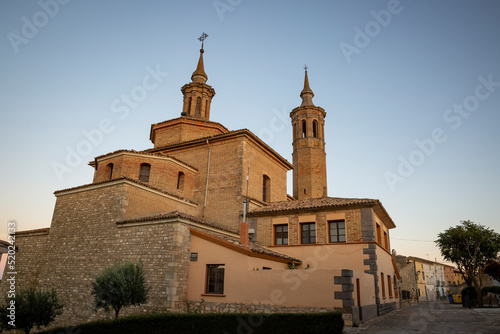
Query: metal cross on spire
[202,38]
[305,67]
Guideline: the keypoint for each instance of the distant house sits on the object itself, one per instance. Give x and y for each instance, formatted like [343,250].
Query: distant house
[179,207]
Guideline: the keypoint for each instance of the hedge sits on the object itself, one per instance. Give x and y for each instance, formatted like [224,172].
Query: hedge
[492,289]
[255,323]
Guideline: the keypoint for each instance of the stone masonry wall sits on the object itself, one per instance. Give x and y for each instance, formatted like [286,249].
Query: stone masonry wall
[31,256]
[84,239]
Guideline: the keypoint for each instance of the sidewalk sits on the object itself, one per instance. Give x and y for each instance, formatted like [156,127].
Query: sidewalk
[433,317]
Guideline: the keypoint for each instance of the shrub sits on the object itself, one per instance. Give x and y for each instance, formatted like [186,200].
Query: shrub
[33,307]
[120,286]
[469,296]
[256,323]
[492,289]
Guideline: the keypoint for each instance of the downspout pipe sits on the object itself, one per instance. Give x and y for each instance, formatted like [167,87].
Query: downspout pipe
[208,176]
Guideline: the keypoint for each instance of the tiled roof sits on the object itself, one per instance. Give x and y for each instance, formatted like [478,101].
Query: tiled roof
[313,203]
[251,248]
[191,119]
[144,153]
[222,135]
[131,180]
[177,214]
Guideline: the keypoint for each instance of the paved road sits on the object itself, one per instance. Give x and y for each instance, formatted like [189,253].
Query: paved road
[433,317]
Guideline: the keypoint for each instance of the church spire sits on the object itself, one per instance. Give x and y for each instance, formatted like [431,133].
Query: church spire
[197,94]
[309,156]
[306,94]
[199,74]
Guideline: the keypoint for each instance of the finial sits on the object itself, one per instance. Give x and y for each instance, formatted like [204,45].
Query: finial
[202,38]
[306,94]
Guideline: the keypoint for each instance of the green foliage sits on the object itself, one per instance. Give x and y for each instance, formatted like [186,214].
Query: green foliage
[469,296]
[33,307]
[256,323]
[119,286]
[493,269]
[471,247]
[492,289]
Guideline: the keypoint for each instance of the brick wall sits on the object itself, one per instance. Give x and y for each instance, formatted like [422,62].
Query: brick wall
[163,173]
[352,223]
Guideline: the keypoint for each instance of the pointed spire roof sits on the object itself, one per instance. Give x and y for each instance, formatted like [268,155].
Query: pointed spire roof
[199,74]
[306,94]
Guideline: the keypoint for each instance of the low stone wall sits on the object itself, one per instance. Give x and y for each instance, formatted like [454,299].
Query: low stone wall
[386,308]
[211,307]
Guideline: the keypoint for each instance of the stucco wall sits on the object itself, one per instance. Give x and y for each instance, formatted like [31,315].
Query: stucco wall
[243,283]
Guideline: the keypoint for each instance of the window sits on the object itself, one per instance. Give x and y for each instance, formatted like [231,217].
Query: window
[379,237]
[266,189]
[386,241]
[109,171]
[180,181]
[294,130]
[189,106]
[215,279]
[383,284]
[395,287]
[144,172]
[337,230]
[198,106]
[304,129]
[281,234]
[308,233]
[389,285]
[315,129]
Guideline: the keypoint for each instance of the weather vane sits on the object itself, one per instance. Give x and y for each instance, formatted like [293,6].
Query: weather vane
[305,67]
[202,38]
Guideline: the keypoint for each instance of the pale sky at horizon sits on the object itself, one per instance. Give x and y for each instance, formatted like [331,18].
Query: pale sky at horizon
[411,90]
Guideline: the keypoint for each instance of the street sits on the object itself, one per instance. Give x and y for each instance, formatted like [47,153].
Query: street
[433,317]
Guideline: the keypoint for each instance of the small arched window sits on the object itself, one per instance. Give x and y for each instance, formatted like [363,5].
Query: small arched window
[189,106]
[315,129]
[180,181]
[198,106]
[266,189]
[304,128]
[144,172]
[109,171]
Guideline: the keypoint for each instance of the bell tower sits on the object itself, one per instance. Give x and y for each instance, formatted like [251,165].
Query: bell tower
[309,156]
[197,94]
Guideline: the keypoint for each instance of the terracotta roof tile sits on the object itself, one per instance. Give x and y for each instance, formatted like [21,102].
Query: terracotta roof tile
[177,214]
[191,119]
[313,203]
[222,135]
[252,247]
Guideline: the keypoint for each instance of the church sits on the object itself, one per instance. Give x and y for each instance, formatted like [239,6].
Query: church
[206,210]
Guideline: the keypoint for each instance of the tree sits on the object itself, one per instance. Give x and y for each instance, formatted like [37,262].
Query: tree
[29,308]
[471,247]
[120,286]
[493,269]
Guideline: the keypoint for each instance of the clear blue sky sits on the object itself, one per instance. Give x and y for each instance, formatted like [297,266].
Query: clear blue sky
[392,77]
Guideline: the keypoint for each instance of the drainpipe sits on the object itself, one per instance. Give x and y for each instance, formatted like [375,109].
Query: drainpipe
[206,182]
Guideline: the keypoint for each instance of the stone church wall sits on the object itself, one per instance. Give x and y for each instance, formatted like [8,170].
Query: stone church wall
[84,239]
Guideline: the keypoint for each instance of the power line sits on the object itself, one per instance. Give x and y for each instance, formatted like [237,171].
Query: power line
[412,240]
